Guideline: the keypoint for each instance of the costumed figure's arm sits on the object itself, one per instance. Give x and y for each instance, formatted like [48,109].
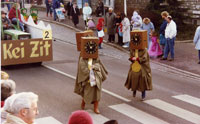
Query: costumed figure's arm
[84,72]
[142,58]
[100,70]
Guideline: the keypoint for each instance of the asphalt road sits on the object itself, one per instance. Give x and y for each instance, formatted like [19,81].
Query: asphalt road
[54,83]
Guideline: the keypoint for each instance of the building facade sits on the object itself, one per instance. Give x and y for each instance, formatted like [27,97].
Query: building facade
[192,5]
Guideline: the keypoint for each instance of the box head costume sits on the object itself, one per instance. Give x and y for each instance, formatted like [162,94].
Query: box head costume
[79,35]
[138,39]
[89,47]
[139,76]
[91,72]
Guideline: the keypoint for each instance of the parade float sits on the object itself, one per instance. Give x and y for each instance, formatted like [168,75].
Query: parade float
[32,46]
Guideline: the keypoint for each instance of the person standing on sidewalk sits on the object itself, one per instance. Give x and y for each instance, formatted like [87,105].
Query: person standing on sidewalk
[100,31]
[125,30]
[49,7]
[75,13]
[170,35]
[136,21]
[87,11]
[197,41]
[119,28]
[56,5]
[148,25]
[164,15]
[68,8]
[110,24]
[100,8]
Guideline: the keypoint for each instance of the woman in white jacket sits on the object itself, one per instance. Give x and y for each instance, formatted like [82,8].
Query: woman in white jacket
[197,41]
[125,30]
[87,11]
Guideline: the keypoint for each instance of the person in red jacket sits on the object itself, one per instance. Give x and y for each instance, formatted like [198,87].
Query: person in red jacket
[100,31]
[13,16]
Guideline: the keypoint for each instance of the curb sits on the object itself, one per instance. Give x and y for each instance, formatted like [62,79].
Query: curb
[43,8]
[193,75]
[78,30]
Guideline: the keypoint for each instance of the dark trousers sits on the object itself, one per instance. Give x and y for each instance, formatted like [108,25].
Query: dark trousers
[49,9]
[111,38]
[120,40]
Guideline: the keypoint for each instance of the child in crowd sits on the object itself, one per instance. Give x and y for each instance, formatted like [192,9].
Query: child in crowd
[100,31]
[90,23]
[155,49]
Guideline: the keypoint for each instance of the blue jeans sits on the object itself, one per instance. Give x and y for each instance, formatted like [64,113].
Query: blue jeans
[169,47]
[199,55]
[21,25]
[8,5]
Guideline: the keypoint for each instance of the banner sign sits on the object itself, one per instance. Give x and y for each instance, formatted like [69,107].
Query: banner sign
[25,51]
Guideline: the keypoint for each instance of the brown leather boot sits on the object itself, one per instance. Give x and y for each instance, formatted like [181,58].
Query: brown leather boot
[96,109]
[83,105]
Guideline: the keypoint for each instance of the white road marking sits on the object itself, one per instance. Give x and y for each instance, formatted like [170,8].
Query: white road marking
[137,114]
[47,120]
[172,109]
[97,118]
[73,77]
[189,99]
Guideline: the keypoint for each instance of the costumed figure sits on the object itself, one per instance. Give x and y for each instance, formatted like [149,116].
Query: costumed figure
[24,13]
[139,76]
[100,31]
[91,73]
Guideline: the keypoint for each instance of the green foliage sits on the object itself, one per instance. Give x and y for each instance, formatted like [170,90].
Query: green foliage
[154,8]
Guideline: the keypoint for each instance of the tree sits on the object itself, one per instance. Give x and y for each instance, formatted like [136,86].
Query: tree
[174,7]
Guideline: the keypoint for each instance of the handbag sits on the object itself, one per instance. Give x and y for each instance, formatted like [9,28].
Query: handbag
[100,33]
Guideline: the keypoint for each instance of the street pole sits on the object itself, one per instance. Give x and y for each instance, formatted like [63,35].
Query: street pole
[125,7]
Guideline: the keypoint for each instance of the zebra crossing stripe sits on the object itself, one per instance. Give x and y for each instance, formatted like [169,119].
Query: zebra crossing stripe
[97,118]
[172,109]
[47,120]
[189,99]
[137,114]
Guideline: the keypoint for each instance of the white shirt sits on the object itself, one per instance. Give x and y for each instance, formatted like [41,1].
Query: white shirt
[171,31]
[86,12]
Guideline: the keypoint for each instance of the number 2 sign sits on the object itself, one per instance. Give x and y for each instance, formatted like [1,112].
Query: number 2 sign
[47,34]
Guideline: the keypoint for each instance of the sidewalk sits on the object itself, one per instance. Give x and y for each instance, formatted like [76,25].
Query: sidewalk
[186,57]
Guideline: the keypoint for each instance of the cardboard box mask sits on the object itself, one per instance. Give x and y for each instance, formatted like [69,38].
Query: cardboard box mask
[138,39]
[89,47]
[82,34]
